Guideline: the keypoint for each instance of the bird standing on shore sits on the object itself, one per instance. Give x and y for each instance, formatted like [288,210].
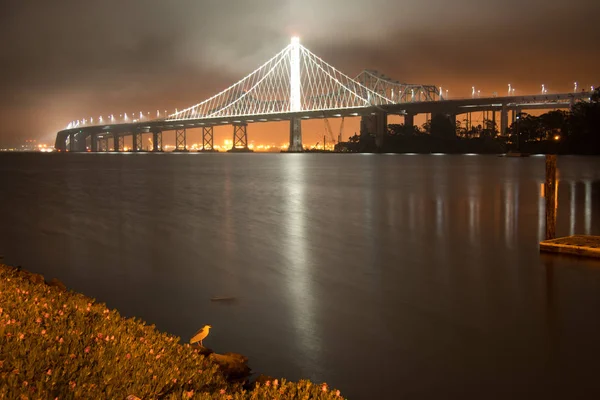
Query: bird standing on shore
[200,335]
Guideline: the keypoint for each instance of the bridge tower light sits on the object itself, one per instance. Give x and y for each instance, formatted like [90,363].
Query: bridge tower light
[575,88]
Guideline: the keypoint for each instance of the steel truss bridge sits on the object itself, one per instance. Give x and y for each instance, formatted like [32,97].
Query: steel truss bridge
[294,85]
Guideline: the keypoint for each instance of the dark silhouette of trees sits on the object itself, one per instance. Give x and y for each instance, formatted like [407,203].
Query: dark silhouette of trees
[441,126]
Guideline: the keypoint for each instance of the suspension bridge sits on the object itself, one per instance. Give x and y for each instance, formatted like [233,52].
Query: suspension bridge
[293,86]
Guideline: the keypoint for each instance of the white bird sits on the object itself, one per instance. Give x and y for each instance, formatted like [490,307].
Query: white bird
[200,335]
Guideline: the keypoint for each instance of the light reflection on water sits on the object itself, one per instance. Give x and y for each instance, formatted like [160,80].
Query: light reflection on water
[407,276]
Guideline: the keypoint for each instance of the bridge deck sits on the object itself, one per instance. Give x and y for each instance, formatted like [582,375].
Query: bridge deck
[580,245]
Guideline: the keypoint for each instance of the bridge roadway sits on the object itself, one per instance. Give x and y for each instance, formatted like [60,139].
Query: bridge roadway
[373,120]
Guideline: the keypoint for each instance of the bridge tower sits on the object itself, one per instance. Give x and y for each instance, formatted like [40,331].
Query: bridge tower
[208,143]
[295,98]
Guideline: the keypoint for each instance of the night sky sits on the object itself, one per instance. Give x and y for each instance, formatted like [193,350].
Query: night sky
[69,59]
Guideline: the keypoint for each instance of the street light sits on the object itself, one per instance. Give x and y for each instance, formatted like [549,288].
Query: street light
[446,94]
[473,92]
[509,89]
[575,88]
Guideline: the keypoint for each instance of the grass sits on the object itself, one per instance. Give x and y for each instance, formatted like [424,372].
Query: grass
[60,344]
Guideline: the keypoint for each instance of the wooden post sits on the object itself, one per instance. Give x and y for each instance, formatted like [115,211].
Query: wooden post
[550,192]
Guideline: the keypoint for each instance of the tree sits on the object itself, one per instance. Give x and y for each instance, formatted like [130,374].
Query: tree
[584,126]
[442,126]
[490,128]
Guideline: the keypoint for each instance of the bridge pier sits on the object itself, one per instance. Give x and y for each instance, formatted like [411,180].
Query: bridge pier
[240,138]
[208,143]
[181,140]
[295,136]
[157,141]
[72,141]
[374,125]
[137,141]
[504,120]
[93,142]
[102,144]
[118,142]
[409,120]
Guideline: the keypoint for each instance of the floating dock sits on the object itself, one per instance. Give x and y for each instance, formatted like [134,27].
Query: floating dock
[579,245]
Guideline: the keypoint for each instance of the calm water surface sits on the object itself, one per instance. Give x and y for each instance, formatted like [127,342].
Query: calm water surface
[386,276]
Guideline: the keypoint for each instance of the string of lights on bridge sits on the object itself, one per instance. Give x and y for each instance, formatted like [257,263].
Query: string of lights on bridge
[148,116]
[296,80]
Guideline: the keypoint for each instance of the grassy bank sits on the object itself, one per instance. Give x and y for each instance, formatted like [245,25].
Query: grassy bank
[56,343]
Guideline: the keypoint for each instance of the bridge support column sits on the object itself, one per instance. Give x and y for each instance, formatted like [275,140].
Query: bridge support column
[208,143]
[157,141]
[181,140]
[93,143]
[137,141]
[504,120]
[240,138]
[409,120]
[374,125]
[118,142]
[380,129]
[295,136]
[72,141]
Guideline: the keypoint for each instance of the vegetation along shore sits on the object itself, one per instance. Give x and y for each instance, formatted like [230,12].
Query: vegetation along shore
[55,343]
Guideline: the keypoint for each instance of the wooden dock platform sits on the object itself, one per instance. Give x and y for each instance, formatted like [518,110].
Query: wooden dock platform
[579,245]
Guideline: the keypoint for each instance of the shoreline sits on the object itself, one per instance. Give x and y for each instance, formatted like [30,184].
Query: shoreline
[54,341]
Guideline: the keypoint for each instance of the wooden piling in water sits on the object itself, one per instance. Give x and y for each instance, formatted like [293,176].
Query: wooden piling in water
[550,194]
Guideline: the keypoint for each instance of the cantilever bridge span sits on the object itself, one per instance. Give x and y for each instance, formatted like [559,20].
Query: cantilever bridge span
[294,85]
